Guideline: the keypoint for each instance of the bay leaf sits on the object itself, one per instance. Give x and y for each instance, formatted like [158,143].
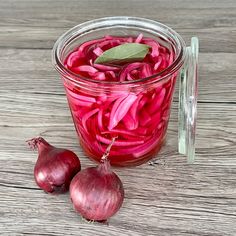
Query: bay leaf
[128,52]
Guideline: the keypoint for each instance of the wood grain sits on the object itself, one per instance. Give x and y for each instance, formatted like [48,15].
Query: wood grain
[167,198]
[37,24]
[34,70]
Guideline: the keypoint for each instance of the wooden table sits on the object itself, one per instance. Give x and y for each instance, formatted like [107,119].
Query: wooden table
[169,198]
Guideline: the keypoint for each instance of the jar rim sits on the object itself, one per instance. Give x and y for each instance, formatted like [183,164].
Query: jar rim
[113,21]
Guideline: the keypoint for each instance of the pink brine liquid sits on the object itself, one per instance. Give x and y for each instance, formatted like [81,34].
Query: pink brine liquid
[138,119]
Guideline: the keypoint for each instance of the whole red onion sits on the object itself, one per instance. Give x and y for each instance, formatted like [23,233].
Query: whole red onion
[97,192]
[55,167]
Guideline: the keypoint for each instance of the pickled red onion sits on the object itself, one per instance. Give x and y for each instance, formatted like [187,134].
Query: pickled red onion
[138,119]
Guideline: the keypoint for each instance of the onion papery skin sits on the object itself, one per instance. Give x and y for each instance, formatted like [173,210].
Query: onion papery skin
[97,193]
[55,167]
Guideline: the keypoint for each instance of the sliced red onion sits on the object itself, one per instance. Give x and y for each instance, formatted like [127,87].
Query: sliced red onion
[130,40]
[82,103]
[119,110]
[112,43]
[147,147]
[88,69]
[100,76]
[128,69]
[105,67]
[138,119]
[98,51]
[142,130]
[130,122]
[134,107]
[118,143]
[157,101]
[129,77]
[155,47]
[144,118]
[158,63]
[81,97]
[139,38]
[112,74]
[120,132]
[85,45]
[87,116]
[141,149]
[100,116]
[146,71]
[73,58]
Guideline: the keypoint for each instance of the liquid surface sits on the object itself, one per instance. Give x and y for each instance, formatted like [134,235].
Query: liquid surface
[81,60]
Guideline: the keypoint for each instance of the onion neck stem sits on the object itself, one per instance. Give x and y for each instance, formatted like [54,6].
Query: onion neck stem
[38,143]
[107,152]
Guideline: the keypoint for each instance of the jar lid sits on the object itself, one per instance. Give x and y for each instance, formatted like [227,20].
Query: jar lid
[188,92]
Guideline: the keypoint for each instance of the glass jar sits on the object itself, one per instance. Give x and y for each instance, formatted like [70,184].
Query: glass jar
[135,112]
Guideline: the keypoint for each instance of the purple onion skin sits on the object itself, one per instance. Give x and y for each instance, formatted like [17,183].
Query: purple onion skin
[55,167]
[97,193]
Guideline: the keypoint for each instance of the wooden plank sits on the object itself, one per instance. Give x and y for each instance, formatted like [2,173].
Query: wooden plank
[48,114]
[44,38]
[27,25]
[35,115]
[169,198]
[31,71]
[33,15]
[172,205]
[103,4]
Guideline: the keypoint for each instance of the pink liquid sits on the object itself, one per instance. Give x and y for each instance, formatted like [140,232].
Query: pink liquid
[138,119]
